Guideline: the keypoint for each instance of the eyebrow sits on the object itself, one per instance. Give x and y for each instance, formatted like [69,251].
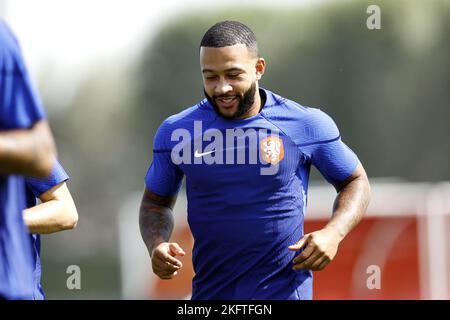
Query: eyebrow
[227,70]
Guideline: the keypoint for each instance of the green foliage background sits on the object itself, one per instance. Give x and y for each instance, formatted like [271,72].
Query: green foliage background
[388,91]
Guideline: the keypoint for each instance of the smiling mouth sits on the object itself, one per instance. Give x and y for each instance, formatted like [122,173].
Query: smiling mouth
[226,102]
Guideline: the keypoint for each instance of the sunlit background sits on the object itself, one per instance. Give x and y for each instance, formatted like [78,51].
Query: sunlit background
[109,72]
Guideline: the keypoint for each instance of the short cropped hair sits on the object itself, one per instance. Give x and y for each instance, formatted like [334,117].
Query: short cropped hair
[230,33]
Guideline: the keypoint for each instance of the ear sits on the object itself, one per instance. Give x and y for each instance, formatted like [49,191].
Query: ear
[260,68]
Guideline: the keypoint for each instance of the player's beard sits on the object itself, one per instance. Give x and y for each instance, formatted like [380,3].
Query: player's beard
[246,102]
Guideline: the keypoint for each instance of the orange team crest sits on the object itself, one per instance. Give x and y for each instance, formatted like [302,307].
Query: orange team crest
[272,150]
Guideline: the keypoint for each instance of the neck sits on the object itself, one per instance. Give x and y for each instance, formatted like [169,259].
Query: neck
[256,106]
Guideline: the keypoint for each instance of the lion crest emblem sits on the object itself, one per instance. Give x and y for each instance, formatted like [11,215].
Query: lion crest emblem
[272,150]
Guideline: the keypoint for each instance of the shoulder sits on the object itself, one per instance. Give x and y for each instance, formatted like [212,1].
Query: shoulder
[185,120]
[9,48]
[278,108]
[201,111]
[318,126]
[301,123]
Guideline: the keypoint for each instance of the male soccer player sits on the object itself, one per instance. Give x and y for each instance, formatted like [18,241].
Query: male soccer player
[246,153]
[26,148]
[57,212]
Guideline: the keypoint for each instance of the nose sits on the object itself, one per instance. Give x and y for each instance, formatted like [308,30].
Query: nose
[222,87]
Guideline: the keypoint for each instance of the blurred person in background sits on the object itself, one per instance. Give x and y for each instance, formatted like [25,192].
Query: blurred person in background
[56,212]
[26,149]
[247,217]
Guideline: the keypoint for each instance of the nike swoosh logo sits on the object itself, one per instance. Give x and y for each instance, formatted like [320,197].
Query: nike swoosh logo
[199,155]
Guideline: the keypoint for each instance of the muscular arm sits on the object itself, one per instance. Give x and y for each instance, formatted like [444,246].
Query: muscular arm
[320,247]
[156,224]
[27,151]
[57,212]
[156,219]
[351,202]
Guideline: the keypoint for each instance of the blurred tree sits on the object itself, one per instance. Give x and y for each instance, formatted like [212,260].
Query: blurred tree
[379,85]
[387,89]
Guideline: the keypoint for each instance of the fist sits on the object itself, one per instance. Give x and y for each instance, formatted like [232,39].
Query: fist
[319,248]
[164,263]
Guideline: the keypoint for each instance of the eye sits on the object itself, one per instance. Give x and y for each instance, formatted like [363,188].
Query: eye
[210,77]
[233,75]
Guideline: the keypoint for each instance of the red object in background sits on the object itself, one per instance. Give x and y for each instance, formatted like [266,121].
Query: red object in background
[180,286]
[389,243]
[403,235]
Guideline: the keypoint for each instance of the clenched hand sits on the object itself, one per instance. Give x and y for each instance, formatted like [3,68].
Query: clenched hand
[164,263]
[320,247]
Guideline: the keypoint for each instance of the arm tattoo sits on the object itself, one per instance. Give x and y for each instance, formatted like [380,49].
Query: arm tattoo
[155,221]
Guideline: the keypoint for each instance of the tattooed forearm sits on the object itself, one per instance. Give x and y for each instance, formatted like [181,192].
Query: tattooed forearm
[350,204]
[155,221]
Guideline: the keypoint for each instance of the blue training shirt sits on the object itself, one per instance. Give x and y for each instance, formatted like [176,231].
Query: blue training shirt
[34,188]
[20,108]
[247,185]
